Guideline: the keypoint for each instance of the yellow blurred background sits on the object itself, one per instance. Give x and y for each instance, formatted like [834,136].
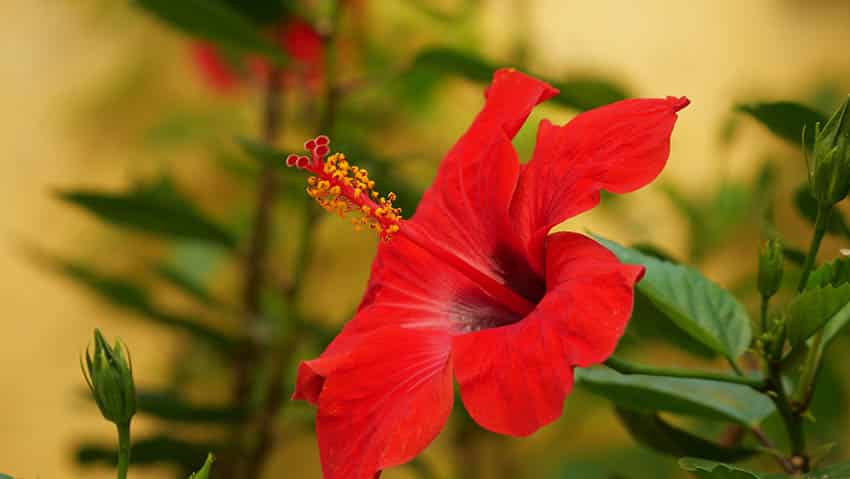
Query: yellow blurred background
[57,55]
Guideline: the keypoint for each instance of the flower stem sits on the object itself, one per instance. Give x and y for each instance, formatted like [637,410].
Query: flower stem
[123,449]
[284,353]
[805,388]
[793,421]
[626,367]
[765,300]
[821,222]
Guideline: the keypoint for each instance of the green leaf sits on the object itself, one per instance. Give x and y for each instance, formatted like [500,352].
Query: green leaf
[164,405]
[186,283]
[786,119]
[836,471]
[692,397]
[807,206]
[263,12]
[580,93]
[126,294]
[161,449]
[204,472]
[705,469]
[652,431]
[631,463]
[834,273]
[156,208]
[814,308]
[649,323]
[216,21]
[707,312]
[5,476]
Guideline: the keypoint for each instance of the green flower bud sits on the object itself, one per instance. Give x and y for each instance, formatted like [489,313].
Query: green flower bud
[771,266]
[109,375]
[204,472]
[829,168]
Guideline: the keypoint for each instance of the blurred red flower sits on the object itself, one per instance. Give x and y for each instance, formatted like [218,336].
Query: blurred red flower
[473,284]
[301,42]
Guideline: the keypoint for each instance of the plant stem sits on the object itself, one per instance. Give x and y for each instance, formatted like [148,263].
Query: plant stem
[259,239]
[626,367]
[123,449]
[285,352]
[793,421]
[767,443]
[254,274]
[765,300]
[821,222]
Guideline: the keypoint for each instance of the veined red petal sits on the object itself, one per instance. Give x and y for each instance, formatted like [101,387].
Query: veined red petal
[598,293]
[384,403]
[513,379]
[619,148]
[412,289]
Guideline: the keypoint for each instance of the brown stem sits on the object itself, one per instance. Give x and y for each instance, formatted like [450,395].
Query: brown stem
[258,243]
[282,361]
[254,274]
[765,441]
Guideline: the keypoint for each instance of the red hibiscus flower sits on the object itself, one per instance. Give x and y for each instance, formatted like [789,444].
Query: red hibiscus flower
[474,286]
[296,37]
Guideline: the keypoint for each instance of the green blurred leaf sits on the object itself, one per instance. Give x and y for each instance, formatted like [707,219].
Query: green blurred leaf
[814,308]
[161,449]
[580,93]
[693,397]
[466,8]
[165,405]
[633,463]
[216,21]
[5,476]
[705,469]
[807,206]
[157,208]
[264,153]
[785,119]
[204,472]
[652,431]
[126,294]
[263,12]
[834,273]
[707,312]
[186,284]
[836,471]
[713,219]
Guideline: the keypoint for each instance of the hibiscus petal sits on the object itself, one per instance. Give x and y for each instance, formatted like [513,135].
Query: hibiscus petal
[412,289]
[598,293]
[619,148]
[384,403]
[514,379]
[464,214]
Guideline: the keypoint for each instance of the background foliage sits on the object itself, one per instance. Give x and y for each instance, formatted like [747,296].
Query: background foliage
[135,183]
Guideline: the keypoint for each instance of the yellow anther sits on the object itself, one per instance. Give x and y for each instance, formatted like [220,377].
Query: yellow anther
[341,188]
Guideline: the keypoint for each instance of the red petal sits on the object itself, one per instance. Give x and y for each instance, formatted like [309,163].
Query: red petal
[619,147]
[409,288]
[463,218]
[220,75]
[384,403]
[597,291]
[513,379]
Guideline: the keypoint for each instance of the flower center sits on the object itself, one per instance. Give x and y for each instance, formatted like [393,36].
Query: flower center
[340,187]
